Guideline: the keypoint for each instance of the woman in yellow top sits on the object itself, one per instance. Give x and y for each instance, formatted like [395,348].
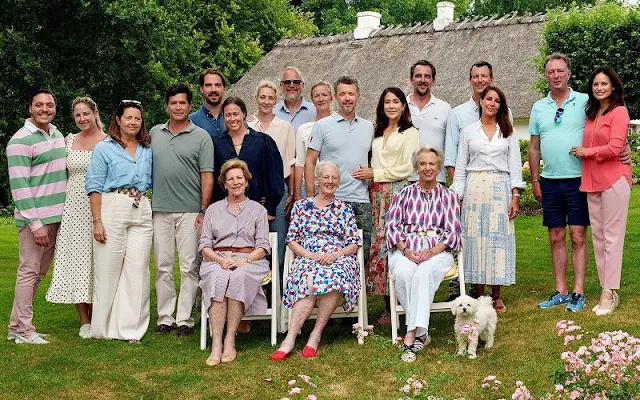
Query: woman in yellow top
[395,140]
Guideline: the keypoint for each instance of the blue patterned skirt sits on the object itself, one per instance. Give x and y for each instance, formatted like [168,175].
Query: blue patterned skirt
[488,233]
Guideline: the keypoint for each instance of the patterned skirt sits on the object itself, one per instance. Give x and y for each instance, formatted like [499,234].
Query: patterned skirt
[377,268]
[488,233]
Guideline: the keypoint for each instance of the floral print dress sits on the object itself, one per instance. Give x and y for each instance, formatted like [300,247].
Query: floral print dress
[323,230]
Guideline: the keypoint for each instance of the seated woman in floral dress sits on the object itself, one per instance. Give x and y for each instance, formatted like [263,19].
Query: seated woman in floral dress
[324,238]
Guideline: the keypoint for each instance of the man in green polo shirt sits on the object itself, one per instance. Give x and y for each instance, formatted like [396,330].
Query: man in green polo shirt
[182,187]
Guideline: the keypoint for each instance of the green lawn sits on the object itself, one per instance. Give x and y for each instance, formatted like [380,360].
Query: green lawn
[527,347]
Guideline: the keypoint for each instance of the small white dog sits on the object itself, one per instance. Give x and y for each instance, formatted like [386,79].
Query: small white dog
[475,320]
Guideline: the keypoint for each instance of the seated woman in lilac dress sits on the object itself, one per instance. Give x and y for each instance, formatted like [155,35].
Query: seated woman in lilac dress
[324,238]
[234,242]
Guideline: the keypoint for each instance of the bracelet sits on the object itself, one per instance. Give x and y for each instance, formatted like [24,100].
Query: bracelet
[97,218]
[203,210]
[515,194]
[403,250]
[535,180]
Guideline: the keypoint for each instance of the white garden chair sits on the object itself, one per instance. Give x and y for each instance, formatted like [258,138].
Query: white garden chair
[272,313]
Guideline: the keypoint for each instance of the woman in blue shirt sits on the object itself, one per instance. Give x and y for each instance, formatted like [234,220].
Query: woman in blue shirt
[118,177]
[258,150]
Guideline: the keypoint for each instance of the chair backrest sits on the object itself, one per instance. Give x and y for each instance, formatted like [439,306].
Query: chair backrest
[273,242]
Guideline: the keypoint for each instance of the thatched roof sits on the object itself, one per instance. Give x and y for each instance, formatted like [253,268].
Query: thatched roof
[383,59]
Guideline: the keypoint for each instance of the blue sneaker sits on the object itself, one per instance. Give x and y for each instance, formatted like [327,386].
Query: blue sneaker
[577,302]
[555,299]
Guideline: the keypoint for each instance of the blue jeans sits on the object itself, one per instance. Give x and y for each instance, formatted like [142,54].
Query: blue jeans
[281,225]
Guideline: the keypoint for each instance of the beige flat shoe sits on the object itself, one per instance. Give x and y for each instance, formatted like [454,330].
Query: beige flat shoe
[228,359]
[212,362]
[607,311]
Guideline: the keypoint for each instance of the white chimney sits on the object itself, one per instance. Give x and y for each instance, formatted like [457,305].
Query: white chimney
[368,21]
[445,15]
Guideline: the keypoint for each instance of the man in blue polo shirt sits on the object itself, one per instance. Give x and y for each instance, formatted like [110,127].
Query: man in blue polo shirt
[209,117]
[294,108]
[556,125]
[345,138]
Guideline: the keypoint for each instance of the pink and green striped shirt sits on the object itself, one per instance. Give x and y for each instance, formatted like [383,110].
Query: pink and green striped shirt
[37,175]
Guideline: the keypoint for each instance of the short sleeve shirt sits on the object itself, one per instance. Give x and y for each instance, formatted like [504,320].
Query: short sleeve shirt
[347,145]
[306,113]
[178,161]
[556,139]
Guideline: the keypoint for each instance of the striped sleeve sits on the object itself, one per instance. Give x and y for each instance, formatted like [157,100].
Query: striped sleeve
[19,159]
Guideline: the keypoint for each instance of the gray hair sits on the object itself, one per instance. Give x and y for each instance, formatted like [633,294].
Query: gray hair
[427,149]
[292,68]
[322,164]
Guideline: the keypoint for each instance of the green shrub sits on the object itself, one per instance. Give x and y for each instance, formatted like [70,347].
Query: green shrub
[605,34]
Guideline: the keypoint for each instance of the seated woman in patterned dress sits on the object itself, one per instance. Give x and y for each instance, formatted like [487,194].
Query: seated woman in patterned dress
[324,238]
[422,230]
[234,242]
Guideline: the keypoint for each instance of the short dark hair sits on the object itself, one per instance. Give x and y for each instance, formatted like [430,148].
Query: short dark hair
[237,101]
[423,63]
[212,71]
[482,64]
[178,88]
[36,92]
[382,121]
[346,80]
[617,95]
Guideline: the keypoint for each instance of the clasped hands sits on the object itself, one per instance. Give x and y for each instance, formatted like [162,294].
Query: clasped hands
[325,259]
[419,256]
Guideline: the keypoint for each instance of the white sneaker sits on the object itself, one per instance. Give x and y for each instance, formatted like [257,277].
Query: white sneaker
[85,331]
[12,336]
[35,339]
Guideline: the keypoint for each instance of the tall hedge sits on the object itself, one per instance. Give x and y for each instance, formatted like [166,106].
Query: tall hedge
[605,34]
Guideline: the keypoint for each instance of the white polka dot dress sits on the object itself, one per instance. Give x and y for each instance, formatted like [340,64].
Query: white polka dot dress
[72,281]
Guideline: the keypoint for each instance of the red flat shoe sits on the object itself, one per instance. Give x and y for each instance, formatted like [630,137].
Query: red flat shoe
[309,352]
[279,355]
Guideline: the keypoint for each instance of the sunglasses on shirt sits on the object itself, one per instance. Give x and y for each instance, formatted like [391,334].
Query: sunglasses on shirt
[558,117]
[295,82]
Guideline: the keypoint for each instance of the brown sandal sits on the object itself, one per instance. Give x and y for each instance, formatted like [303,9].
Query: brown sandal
[499,306]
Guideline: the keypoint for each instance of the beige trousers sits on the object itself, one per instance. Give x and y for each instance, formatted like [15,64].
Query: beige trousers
[121,269]
[171,230]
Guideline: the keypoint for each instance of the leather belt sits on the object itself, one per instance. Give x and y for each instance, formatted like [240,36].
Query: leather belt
[235,249]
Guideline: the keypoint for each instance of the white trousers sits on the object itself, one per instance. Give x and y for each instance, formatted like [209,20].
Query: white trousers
[171,230]
[416,284]
[121,269]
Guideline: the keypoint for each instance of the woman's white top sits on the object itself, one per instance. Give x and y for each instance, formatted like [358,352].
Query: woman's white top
[476,153]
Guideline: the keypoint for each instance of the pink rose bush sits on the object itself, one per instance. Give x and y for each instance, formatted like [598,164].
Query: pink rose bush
[607,368]
[296,392]
[361,332]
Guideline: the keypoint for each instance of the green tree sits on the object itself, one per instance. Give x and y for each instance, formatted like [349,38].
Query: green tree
[122,49]
[607,34]
[338,16]
[501,7]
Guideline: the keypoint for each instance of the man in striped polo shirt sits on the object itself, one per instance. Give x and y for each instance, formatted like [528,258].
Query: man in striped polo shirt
[38,178]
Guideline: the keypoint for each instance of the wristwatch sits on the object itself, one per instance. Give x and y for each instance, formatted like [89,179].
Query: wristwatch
[203,210]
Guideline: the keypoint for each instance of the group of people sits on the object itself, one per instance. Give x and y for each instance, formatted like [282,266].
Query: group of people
[315,176]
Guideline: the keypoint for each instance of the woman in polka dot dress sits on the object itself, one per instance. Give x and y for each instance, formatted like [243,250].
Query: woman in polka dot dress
[72,281]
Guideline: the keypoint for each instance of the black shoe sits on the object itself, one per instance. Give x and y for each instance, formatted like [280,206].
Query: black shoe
[472,292]
[184,330]
[163,329]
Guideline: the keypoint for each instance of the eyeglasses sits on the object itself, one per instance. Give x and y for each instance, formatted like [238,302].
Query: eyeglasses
[291,82]
[136,102]
[558,117]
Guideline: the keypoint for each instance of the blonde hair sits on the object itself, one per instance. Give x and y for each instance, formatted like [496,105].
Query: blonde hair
[267,84]
[92,105]
[321,83]
[427,149]
[231,164]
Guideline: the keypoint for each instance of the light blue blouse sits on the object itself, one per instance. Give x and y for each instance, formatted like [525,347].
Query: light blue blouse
[112,167]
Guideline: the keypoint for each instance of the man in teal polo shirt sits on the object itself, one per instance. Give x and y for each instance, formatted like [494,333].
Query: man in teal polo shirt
[182,187]
[556,125]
